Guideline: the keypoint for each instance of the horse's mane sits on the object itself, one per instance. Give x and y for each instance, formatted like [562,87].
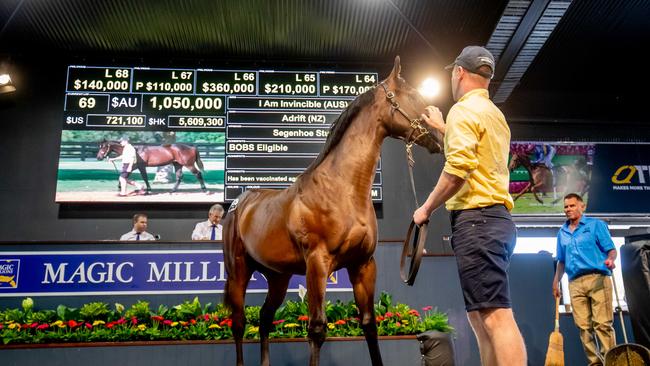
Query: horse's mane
[338,128]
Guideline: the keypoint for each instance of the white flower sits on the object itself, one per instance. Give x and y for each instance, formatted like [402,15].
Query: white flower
[302,291]
[28,303]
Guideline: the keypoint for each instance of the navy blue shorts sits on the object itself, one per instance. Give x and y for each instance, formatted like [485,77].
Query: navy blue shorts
[483,240]
[125,171]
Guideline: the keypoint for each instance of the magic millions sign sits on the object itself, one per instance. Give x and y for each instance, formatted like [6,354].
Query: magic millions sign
[127,272]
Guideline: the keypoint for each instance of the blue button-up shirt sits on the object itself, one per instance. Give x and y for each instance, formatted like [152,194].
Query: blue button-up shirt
[585,249]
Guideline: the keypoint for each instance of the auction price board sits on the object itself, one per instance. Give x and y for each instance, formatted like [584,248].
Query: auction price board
[275,122]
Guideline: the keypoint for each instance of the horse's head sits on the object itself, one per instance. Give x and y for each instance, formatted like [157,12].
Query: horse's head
[405,105]
[105,147]
[516,160]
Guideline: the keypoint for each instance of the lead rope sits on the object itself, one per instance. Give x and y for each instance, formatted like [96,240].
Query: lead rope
[411,165]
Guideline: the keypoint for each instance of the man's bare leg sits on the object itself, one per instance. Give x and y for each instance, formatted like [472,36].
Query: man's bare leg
[503,344]
[485,347]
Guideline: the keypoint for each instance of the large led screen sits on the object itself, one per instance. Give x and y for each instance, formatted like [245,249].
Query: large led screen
[200,135]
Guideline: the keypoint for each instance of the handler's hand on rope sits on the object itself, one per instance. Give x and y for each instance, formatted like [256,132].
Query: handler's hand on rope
[609,263]
[420,216]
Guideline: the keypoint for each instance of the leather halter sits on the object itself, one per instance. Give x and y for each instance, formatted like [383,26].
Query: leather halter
[414,248]
[417,129]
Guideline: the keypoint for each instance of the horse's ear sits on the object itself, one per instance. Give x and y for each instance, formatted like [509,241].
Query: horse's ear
[397,68]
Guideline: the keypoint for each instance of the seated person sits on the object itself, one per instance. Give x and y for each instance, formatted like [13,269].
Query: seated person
[210,229]
[139,231]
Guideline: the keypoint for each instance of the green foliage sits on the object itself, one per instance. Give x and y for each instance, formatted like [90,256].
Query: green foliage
[252,314]
[188,309]
[96,322]
[65,313]
[94,311]
[139,310]
[291,310]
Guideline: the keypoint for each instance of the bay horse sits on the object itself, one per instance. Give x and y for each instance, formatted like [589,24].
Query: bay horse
[540,177]
[568,178]
[179,155]
[324,221]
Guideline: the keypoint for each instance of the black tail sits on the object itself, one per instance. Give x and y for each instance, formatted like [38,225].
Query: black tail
[231,248]
[198,162]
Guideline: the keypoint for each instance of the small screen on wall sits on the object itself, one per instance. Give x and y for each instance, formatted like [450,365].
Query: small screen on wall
[611,178]
[206,135]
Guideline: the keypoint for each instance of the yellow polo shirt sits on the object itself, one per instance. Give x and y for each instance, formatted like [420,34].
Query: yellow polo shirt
[477,147]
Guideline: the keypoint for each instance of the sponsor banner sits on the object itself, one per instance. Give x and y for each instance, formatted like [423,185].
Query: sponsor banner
[127,272]
[621,179]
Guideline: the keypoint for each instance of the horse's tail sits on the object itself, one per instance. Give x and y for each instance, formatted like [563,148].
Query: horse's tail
[197,161]
[232,248]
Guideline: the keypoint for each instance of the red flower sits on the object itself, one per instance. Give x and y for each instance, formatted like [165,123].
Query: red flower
[134,320]
[303,318]
[398,324]
[340,322]
[227,322]
[157,318]
[427,308]
[25,326]
[276,322]
[414,312]
[73,323]
[206,317]
[1,326]
[388,314]
[379,318]
[192,321]
[33,325]
[215,318]
[167,322]
[89,326]
[110,325]
[398,315]
[121,321]
[40,327]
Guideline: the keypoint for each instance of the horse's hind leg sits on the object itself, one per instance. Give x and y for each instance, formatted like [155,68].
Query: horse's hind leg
[199,176]
[521,193]
[278,284]
[239,274]
[363,285]
[143,173]
[179,176]
[535,193]
[317,272]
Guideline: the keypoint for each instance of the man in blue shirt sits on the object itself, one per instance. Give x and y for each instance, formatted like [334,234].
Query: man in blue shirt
[586,253]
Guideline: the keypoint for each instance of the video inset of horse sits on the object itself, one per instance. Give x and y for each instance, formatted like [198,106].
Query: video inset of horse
[168,166]
[542,173]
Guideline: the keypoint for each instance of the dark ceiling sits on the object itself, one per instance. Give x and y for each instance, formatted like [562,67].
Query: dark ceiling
[563,60]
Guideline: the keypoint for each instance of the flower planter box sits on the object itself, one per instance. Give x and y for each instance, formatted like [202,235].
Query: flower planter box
[396,350]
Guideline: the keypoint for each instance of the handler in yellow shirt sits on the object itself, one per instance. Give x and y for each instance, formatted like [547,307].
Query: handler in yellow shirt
[474,184]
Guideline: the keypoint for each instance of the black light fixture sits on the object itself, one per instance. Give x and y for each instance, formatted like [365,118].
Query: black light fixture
[6,85]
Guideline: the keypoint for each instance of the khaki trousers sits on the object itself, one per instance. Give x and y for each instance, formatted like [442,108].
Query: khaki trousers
[591,300]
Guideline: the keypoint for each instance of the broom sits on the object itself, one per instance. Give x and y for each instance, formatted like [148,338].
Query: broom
[555,352]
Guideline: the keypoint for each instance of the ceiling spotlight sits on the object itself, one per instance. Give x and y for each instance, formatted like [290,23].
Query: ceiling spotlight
[429,88]
[6,86]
